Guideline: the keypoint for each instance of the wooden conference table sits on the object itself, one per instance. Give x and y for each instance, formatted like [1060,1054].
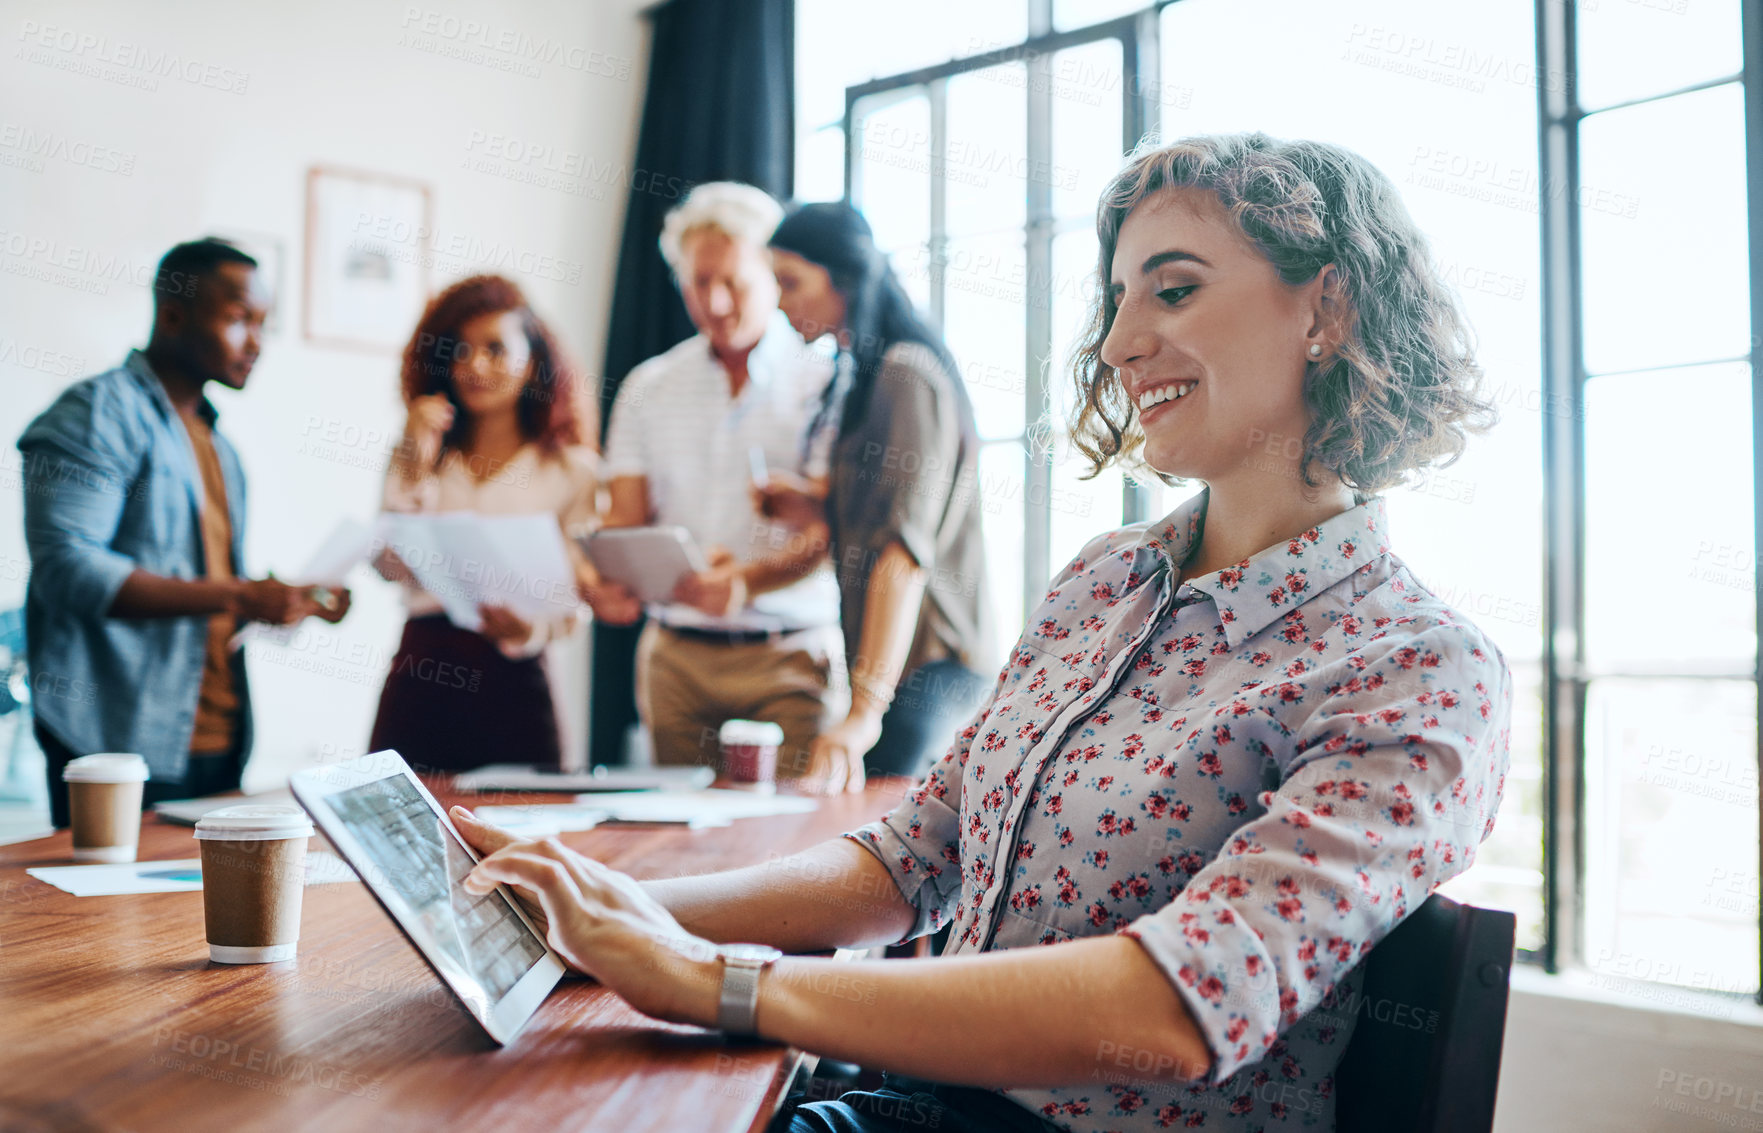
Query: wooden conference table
[113,1018]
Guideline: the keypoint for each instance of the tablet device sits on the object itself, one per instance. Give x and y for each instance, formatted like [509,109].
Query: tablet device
[647,561]
[384,822]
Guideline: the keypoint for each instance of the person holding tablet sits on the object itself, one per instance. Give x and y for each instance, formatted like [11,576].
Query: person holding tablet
[1233,749]
[901,503]
[754,635]
[496,424]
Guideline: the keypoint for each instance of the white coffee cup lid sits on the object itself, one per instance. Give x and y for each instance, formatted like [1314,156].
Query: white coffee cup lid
[254,822]
[756,732]
[106,767]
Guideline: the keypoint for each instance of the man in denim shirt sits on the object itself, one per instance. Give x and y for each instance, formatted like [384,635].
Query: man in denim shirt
[134,517]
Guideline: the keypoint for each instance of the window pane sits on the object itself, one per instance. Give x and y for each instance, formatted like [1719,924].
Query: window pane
[1073,290]
[893,168]
[1671,832]
[1631,50]
[985,325]
[853,43]
[1001,505]
[1087,127]
[820,165]
[1665,276]
[912,265]
[1069,14]
[1670,576]
[1080,509]
[1508,869]
[986,162]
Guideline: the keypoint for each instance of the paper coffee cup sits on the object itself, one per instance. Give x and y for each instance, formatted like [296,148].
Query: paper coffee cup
[104,805]
[749,753]
[253,877]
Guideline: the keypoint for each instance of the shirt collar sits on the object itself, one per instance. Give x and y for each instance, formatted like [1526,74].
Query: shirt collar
[136,363]
[1266,586]
[768,356]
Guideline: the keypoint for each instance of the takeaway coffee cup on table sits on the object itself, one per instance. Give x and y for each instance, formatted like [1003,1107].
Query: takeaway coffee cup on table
[749,753]
[253,876]
[104,805]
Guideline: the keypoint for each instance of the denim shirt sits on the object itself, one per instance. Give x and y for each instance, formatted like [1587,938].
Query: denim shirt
[1254,773]
[111,486]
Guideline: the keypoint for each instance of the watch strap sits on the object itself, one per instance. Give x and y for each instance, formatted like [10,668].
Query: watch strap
[737,1008]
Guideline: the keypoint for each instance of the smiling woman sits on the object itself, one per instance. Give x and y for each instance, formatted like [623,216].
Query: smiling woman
[1364,372]
[1233,750]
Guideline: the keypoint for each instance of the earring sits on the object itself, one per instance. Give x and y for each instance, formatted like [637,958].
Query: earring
[1316,350]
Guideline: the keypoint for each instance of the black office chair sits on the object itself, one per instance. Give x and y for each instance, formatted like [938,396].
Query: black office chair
[1445,969]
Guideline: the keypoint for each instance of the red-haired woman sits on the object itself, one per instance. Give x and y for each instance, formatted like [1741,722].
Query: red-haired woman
[496,425]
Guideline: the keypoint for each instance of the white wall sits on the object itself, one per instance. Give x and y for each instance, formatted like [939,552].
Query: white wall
[1584,1054]
[104,165]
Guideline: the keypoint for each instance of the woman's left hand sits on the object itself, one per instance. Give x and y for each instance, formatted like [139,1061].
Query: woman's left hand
[601,922]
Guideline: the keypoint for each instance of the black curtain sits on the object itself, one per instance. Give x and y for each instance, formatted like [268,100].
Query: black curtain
[720,107]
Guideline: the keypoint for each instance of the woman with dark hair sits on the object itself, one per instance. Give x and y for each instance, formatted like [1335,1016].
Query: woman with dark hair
[900,503]
[1233,750]
[495,425]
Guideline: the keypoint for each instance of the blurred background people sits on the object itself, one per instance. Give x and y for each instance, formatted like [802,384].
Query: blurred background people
[135,523]
[756,635]
[900,499]
[496,424]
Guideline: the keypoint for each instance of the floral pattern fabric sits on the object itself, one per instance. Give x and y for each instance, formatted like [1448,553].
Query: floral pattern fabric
[1256,774]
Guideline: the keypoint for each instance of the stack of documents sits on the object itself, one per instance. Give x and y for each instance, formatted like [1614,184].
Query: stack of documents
[683,808]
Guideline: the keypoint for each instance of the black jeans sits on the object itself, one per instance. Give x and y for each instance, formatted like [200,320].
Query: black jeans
[933,702]
[907,1105]
[203,775]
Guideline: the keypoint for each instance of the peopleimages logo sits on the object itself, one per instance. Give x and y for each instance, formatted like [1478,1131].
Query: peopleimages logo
[100,57]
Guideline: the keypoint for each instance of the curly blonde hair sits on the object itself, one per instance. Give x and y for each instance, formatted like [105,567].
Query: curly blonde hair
[1401,390]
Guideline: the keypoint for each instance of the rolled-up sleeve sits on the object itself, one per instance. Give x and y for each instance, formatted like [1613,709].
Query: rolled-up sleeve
[919,841]
[78,464]
[1394,783]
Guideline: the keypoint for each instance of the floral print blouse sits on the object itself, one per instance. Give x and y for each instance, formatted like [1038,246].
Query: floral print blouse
[1256,774]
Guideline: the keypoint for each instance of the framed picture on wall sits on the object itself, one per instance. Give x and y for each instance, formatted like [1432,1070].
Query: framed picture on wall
[367,238]
[271,268]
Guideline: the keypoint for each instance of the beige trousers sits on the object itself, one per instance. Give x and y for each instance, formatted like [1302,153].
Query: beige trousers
[687,686]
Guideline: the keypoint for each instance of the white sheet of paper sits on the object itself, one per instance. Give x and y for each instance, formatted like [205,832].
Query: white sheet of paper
[683,808]
[345,548]
[181,876]
[709,806]
[541,820]
[466,560]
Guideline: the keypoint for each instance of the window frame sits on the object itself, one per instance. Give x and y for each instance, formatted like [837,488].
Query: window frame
[1137,34]
[1566,675]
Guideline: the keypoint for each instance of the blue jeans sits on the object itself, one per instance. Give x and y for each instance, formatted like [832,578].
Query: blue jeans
[906,1105]
[933,702]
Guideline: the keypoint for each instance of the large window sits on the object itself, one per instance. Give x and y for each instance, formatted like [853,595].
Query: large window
[1628,835]
[1655,495]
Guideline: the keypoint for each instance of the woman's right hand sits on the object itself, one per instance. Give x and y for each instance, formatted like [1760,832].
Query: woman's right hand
[611,602]
[794,501]
[427,422]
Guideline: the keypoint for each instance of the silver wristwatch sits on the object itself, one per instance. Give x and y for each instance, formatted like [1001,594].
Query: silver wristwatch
[738,1006]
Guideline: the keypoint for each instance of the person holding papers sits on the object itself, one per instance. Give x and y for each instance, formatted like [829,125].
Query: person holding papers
[755,636]
[496,425]
[134,514]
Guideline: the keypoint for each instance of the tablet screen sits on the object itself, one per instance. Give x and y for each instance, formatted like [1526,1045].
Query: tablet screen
[480,945]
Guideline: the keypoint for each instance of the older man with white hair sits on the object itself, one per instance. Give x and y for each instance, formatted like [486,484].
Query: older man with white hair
[756,636]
